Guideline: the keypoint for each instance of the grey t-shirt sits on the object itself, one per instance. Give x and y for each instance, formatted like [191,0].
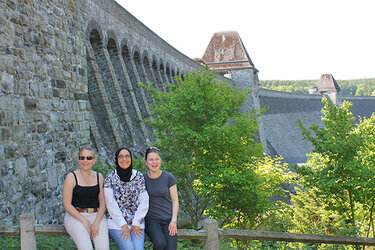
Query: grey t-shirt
[160,203]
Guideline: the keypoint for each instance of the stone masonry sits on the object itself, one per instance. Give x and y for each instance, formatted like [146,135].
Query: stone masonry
[68,77]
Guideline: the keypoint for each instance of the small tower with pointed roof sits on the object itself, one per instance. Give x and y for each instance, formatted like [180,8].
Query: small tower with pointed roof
[328,86]
[226,52]
[227,55]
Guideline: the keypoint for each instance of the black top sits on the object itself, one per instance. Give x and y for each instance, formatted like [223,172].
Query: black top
[85,197]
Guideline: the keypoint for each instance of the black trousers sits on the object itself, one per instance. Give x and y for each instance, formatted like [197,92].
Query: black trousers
[158,232]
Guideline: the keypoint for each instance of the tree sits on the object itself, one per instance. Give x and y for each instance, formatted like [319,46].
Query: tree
[342,163]
[358,87]
[209,145]
[312,215]
[360,91]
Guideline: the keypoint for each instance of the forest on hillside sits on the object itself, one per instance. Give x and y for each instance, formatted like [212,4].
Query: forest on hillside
[357,87]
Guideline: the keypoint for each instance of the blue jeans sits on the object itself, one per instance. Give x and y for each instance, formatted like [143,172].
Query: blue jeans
[158,232]
[135,243]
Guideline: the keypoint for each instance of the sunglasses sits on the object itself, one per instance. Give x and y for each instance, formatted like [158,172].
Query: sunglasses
[89,158]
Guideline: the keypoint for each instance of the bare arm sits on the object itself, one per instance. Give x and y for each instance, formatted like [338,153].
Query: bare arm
[173,224]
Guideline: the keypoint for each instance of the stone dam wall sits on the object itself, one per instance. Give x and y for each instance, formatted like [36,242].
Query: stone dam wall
[283,137]
[68,77]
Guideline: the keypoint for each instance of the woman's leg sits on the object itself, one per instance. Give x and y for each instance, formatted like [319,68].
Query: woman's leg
[101,241]
[138,242]
[154,230]
[122,243]
[77,232]
[171,241]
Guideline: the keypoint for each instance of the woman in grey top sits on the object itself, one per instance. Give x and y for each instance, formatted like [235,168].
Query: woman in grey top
[161,218]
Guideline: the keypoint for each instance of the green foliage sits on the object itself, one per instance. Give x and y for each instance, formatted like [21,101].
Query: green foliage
[341,166]
[10,242]
[273,173]
[139,164]
[275,216]
[357,87]
[298,86]
[54,242]
[190,244]
[209,145]
[43,242]
[278,219]
[101,167]
[64,242]
[312,215]
[46,242]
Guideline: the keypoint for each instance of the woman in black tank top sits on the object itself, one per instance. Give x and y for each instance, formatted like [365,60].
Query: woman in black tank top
[84,202]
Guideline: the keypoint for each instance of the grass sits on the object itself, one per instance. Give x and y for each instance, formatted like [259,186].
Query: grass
[42,242]
[46,242]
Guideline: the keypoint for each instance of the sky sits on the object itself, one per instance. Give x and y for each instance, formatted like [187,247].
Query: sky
[285,39]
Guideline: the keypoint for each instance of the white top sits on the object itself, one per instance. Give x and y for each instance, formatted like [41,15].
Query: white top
[113,208]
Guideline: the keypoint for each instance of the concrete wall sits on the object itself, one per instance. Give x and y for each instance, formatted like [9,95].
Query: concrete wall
[283,137]
[362,106]
[282,134]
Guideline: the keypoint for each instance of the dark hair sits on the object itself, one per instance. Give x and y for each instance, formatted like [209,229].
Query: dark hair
[152,150]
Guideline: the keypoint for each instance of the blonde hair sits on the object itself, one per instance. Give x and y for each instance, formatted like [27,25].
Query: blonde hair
[86,148]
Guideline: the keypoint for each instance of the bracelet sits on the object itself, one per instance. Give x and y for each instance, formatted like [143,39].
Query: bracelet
[175,221]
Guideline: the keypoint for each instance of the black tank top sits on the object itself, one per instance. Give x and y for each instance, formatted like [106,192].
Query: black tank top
[85,197]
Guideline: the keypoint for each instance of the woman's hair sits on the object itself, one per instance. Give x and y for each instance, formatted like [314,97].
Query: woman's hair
[152,150]
[86,148]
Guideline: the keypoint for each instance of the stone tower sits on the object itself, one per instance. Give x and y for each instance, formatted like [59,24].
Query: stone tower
[227,55]
[328,86]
